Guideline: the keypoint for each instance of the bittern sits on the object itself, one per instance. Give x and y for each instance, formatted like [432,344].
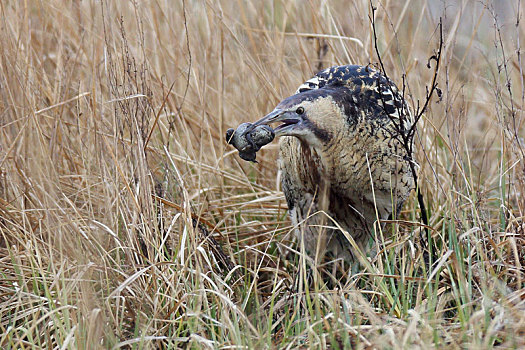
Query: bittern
[343,163]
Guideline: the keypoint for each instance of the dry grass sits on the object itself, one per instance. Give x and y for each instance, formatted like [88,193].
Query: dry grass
[105,107]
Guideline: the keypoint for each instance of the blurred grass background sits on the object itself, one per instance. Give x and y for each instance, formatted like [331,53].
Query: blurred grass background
[112,122]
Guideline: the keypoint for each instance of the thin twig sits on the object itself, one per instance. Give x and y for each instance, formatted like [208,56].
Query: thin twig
[406,137]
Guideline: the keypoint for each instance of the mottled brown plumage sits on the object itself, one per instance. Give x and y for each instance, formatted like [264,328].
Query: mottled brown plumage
[341,154]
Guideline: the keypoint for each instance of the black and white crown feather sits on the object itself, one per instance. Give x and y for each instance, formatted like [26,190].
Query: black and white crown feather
[380,91]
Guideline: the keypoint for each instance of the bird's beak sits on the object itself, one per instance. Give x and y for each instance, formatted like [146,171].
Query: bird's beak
[289,120]
[269,118]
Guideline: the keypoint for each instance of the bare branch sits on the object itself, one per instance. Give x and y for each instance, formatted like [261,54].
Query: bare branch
[406,137]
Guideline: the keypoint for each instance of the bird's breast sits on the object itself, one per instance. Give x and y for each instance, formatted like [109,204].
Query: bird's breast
[302,163]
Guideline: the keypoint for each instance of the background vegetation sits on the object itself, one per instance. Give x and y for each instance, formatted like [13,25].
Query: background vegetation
[112,116]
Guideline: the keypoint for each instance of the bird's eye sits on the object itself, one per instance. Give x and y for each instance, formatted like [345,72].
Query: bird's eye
[299,110]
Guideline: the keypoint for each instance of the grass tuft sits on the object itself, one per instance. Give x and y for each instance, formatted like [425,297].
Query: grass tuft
[126,221]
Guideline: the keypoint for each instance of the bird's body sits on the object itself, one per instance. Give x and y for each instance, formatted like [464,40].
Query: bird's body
[341,157]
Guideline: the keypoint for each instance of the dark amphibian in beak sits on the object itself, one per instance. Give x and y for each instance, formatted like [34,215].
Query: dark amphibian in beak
[249,138]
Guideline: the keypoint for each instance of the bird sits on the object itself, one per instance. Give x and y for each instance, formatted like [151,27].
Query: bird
[343,161]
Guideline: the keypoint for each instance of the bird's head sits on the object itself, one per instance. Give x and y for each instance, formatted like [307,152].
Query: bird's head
[312,116]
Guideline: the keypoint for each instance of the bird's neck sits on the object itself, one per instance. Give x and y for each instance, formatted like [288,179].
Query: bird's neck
[320,164]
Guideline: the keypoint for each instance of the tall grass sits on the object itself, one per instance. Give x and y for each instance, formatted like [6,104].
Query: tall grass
[112,122]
